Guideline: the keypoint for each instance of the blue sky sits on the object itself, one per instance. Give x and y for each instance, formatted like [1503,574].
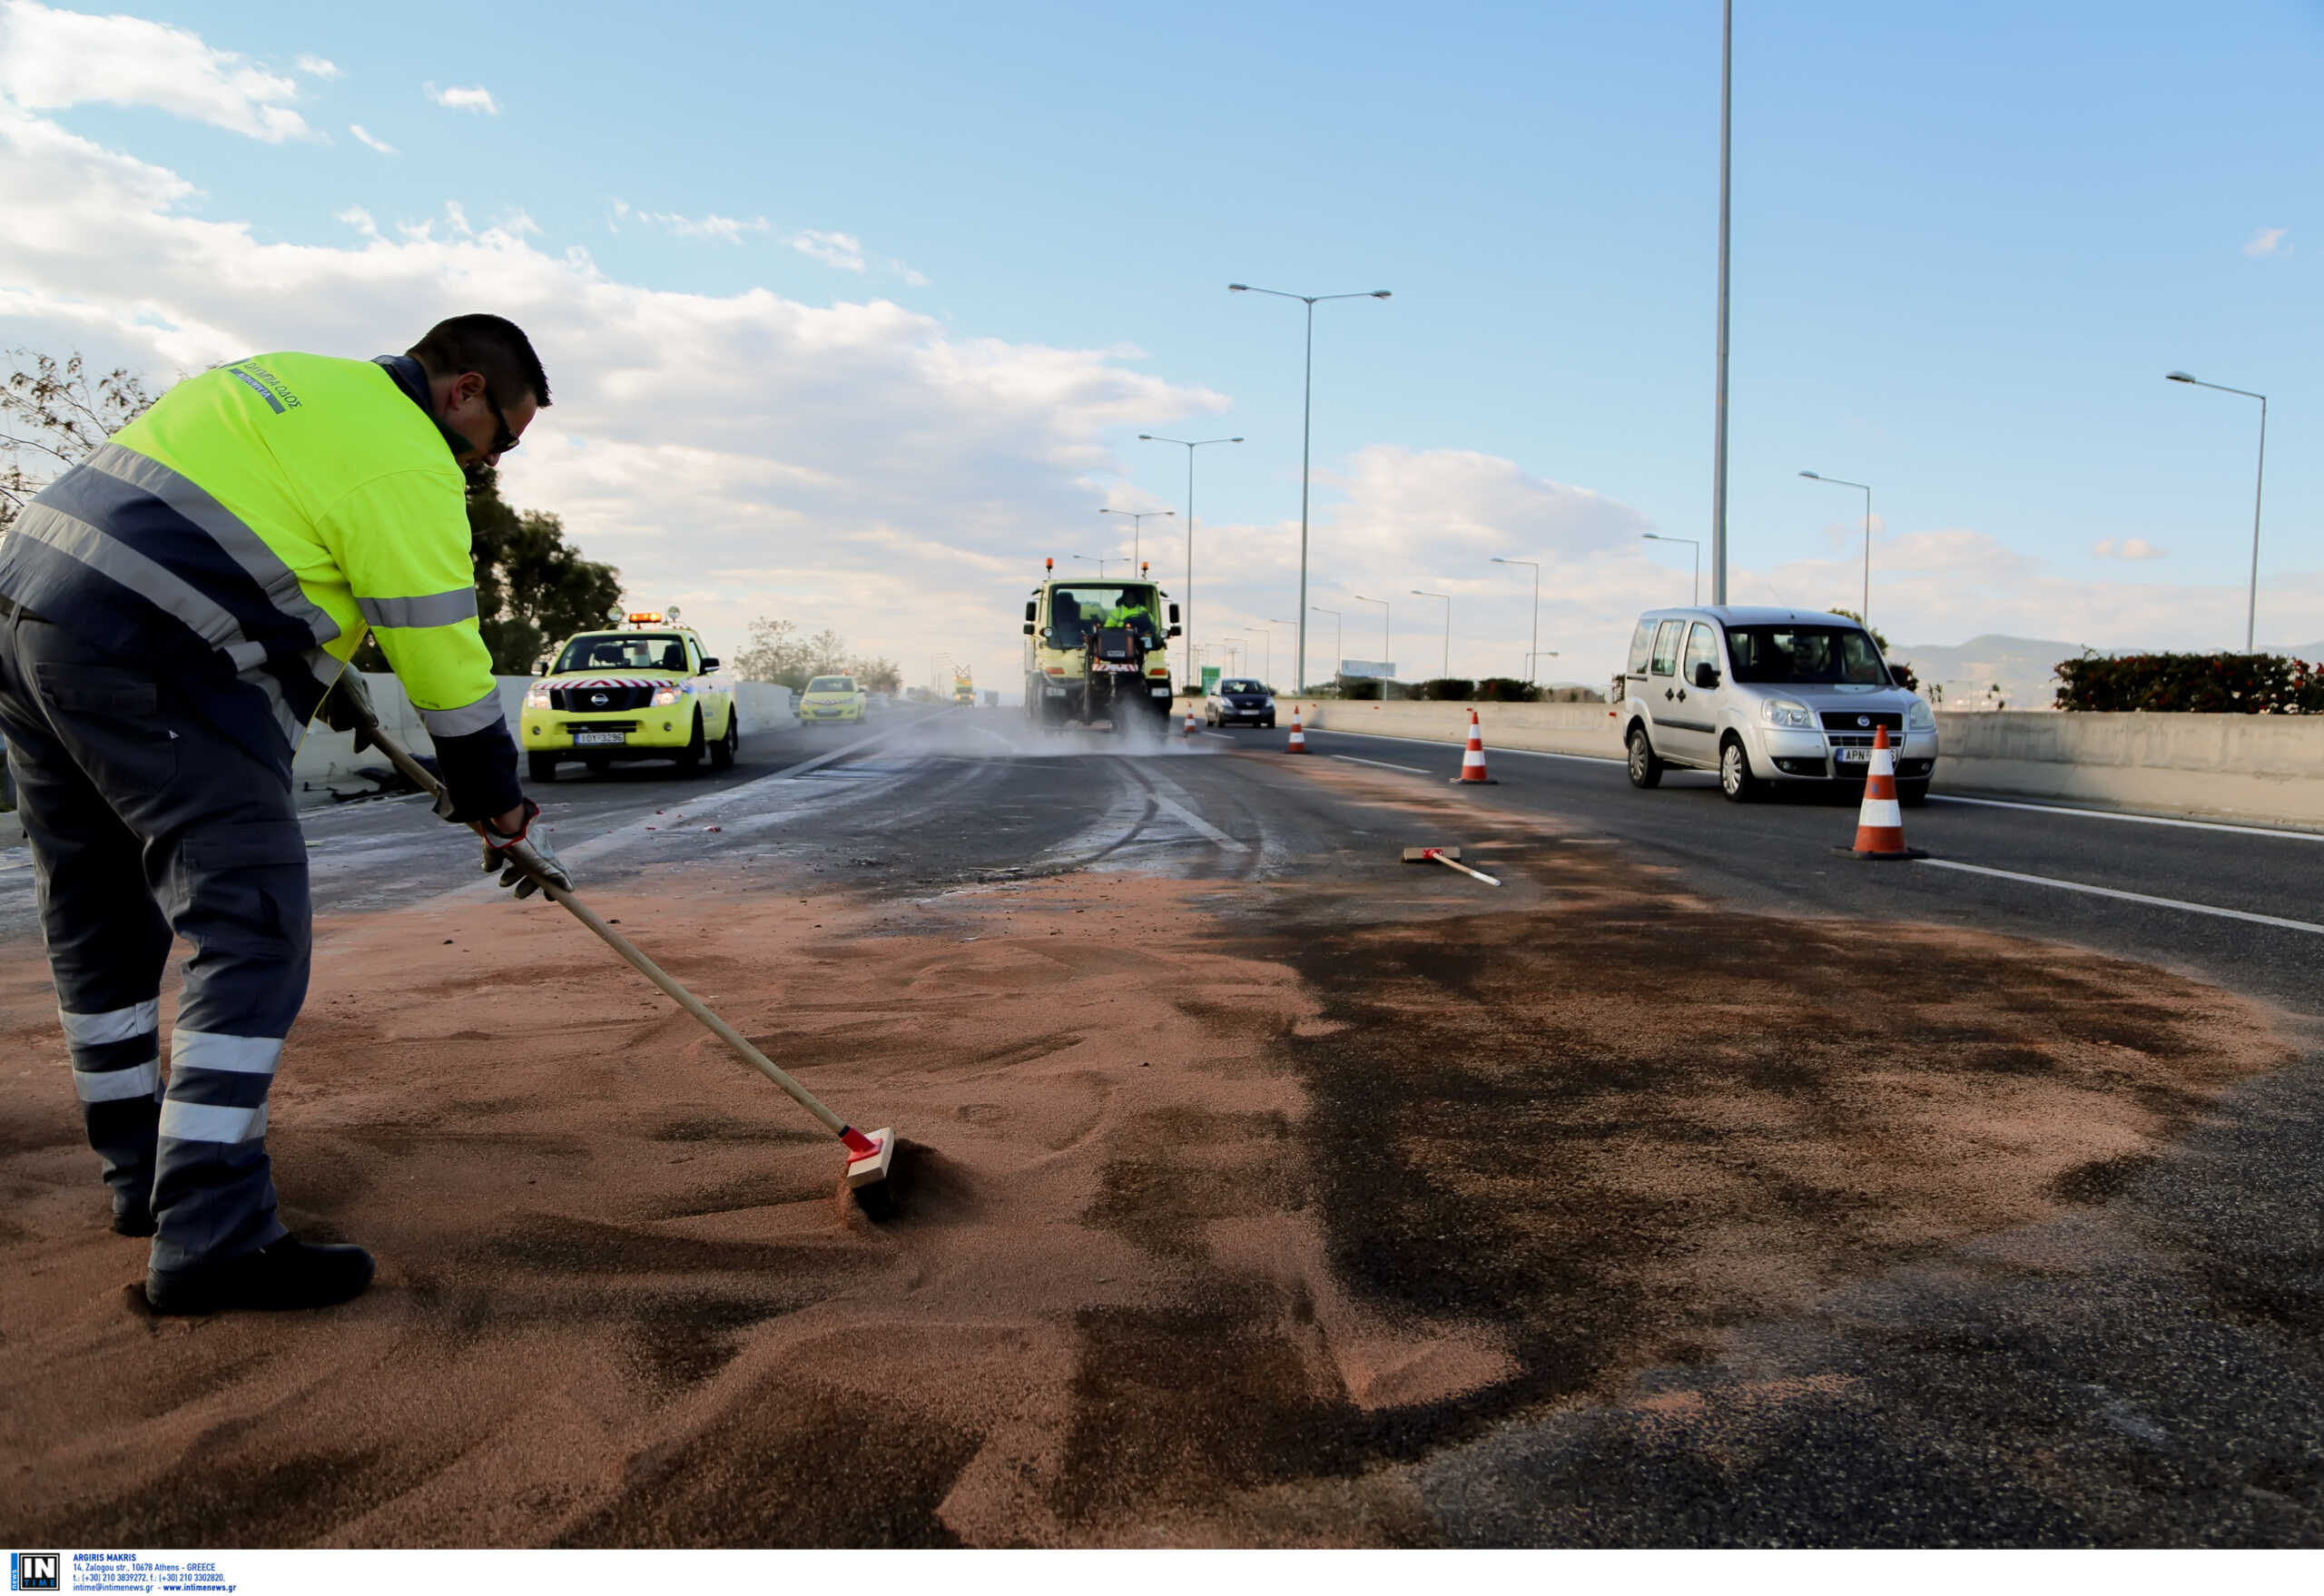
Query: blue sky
[1968,243]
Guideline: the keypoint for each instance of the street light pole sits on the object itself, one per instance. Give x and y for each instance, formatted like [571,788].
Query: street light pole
[1306,433]
[1101,564]
[2251,606]
[1447,597]
[1694,593]
[1339,641]
[1837,482]
[1719,443]
[1538,654]
[1137,520]
[1273,622]
[1536,603]
[1268,637]
[1187,606]
[1387,649]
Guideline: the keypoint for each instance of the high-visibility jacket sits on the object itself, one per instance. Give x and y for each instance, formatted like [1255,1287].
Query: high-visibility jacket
[252,526]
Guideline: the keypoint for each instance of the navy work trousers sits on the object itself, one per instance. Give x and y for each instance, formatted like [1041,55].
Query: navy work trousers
[145,819]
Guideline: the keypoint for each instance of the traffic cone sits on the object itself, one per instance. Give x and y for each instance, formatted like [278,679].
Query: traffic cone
[1298,736]
[1190,728]
[1473,762]
[1880,824]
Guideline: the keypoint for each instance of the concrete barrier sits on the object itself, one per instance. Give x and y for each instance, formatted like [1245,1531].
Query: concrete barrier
[2260,769]
[1545,728]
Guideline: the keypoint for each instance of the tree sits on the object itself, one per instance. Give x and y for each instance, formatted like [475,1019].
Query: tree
[876,674]
[778,654]
[774,654]
[53,414]
[533,588]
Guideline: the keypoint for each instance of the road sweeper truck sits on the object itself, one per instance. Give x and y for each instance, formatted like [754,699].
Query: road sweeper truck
[1097,652]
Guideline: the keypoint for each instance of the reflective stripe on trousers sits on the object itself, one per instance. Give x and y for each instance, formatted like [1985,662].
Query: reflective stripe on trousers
[146,819]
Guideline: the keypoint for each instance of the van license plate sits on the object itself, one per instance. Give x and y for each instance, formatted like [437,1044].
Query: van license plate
[599,739]
[1854,755]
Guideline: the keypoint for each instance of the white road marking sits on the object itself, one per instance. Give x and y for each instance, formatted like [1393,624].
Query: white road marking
[2043,880]
[1152,782]
[1220,735]
[1381,764]
[2144,820]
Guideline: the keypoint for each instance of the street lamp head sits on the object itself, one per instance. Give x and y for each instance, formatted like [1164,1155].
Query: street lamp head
[2177,377]
[1652,536]
[1146,438]
[1811,476]
[1234,441]
[1379,293]
[1238,288]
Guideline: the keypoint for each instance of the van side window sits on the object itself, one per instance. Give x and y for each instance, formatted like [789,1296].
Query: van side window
[1701,649]
[1666,648]
[1641,647]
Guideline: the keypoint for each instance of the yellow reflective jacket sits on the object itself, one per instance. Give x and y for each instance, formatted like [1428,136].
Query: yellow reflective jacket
[254,523]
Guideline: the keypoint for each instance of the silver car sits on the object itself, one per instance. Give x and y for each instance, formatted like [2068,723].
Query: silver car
[1239,699]
[1767,697]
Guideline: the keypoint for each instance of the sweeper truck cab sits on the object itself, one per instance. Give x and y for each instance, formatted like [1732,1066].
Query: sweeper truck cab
[1097,652]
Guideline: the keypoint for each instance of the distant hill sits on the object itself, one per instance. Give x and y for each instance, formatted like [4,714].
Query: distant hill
[2022,666]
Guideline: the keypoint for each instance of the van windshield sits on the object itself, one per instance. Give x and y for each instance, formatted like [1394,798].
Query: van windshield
[1805,655]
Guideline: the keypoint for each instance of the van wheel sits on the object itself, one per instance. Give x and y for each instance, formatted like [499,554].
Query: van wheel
[1646,766]
[690,757]
[721,753]
[1735,777]
[541,768]
[1913,794]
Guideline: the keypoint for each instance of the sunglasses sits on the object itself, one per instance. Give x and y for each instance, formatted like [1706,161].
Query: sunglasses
[507,439]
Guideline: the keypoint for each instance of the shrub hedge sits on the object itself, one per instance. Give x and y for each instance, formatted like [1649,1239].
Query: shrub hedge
[2198,683]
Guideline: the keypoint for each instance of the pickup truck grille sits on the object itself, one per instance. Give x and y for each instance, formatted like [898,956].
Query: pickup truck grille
[583,700]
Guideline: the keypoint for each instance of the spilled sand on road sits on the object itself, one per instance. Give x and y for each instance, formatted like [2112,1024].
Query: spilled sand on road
[1241,1197]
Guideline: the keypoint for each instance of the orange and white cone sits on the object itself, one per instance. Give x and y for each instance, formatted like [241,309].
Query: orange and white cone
[1188,730]
[1880,824]
[1298,736]
[1473,762]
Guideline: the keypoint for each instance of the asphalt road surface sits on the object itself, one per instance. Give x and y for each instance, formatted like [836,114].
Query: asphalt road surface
[2170,1392]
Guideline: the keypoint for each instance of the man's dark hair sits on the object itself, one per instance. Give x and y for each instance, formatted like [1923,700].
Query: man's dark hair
[492,346]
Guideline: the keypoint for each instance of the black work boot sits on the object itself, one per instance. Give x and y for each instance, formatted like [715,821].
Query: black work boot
[285,1273]
[131,1214]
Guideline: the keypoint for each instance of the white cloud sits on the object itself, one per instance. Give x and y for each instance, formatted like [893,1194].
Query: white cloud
[316,66]
[728,230]
[841,249]
[362,137]
[2267,241]
[2127,548]
[51,60]
[478,98]
[854,464]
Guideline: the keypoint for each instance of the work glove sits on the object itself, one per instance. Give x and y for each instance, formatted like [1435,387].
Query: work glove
[512,874]
[347,707]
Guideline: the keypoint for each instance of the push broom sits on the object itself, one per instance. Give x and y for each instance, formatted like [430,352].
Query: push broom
[869,1157]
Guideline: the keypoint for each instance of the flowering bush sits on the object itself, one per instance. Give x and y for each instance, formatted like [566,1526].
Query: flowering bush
[2196,684]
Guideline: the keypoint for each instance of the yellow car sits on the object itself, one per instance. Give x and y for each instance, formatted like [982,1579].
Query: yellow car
[619,695]
[832,700]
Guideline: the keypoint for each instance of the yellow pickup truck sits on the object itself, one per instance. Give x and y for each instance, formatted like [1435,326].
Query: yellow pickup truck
[644,690]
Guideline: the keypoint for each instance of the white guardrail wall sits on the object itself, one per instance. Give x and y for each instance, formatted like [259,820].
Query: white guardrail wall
[2259,769]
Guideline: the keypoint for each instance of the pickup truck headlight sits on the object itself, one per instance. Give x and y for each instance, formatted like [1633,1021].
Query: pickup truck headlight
[669,692]
[1783,712]
[1920,717]
[537,695]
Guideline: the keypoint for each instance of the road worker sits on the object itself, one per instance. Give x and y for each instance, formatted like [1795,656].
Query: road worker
[173,611]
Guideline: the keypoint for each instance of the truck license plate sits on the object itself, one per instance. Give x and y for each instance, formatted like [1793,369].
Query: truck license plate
[599,739]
